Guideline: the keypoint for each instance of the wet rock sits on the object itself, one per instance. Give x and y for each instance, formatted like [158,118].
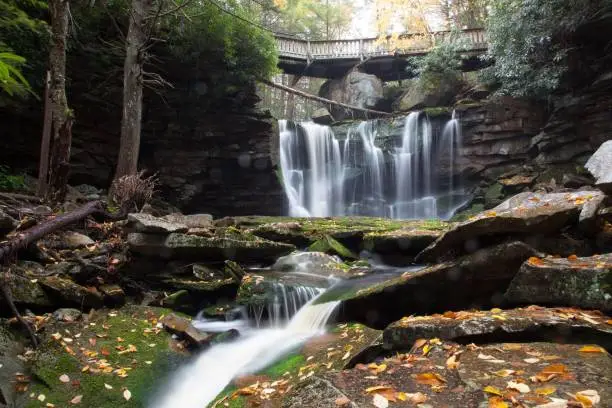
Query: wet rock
[290,232]
[452,375]
[533,323]
[332,246]
[203,221]
[576,181]
[7,223]
[405,241]
[238,247]
[146,223]
[75,240]
[587,220]
[179,301]
[67,315]
[11,364]
[318,263]
[66,292]
[476,280]
[600,166]
[355,89]
[27,293]
[526,213]
[113,295]
[183,328]
[582,282]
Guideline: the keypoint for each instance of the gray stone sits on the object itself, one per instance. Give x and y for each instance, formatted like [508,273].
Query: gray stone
[66,292]
[183,328]
[322,117]
[146,223]
[535,321]
[416,97]
[587,220]
[581,282]
[113,295]
[600,166]
[355,89]
[27,292]
[525,213]
[245,247]
[476,280]
[191,220]
[67,315]
[74,240]
[87,189]
[11,365]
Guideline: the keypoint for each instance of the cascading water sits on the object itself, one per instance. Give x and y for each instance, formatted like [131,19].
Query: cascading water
[355,175]
[196,385]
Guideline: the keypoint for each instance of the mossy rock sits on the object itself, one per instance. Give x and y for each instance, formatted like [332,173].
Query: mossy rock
[83,362]
[329,245]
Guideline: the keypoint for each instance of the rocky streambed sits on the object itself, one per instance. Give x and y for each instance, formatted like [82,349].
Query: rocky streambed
[509,308]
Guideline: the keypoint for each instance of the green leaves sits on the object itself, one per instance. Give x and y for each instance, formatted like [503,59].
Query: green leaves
[11,80]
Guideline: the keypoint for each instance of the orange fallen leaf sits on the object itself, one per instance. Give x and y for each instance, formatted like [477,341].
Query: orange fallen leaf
[572,258]
[534,260]
[419,343]
[342,401]
[592,349]
[378,388]
[433,379]
[545,390]
[497,402]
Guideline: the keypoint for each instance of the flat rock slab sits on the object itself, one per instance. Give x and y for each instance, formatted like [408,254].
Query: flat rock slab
[147,223]
[68,293]
[534,323]
[191,221]
[476,280]
[525,213]
[600,166]
[242,247]
[582,282]
[450,375]
[405,240]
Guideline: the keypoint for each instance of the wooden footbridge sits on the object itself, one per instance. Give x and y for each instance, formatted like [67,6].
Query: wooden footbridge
[383,58]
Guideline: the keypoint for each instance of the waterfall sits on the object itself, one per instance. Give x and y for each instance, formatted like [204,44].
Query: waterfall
[324,175]
[196,385]
[286,302]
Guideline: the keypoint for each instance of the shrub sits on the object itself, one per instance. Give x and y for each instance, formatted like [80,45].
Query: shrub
[11,182]
[132,192]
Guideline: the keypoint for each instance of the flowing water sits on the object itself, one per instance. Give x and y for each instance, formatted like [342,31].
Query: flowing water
[327,176]
[293,320]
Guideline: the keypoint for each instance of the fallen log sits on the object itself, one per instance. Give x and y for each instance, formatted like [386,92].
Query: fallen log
[305,95]
[10,248]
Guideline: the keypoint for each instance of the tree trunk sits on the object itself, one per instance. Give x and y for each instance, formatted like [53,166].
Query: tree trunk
[127,162]
[293,81]
[62,116]
[43,166]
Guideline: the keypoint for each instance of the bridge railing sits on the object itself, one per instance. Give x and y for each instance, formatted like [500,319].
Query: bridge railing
[405,44]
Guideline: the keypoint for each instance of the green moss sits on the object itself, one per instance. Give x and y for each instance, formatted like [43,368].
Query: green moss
[290,364]
[438,111]
[329,245]
[130,324]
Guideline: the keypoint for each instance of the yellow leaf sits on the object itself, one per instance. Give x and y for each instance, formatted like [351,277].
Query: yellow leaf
[572,258]
[588,398]
[433,379]
[545,390]
[492,390]
[497,402]
[534,260]
[420,343]
[496,310]
[499,317]
[377,388]
[426,349]
[127,395]
[504,373]
[592,349]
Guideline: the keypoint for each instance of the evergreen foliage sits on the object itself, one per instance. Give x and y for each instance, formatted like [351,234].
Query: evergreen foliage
[527,41]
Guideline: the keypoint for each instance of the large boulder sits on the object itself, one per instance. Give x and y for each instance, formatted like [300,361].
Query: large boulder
[27,293]
[355,89]
[526,213]
[242,247]
[582,282]
[476,280]
[417,97]
[600,166]
[452,375]
[534,322]
[12,369]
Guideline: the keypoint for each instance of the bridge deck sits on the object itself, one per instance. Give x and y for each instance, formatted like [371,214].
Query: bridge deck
[332,59]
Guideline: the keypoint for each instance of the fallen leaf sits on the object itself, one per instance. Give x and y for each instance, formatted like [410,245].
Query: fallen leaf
[520,387]
[433,379]
[342,401]
[377,388]
[592,349]
[415,398]
[534,260]
[380,402]
[497,402]
[76,400]
[492,390]
[127,395]
[41,397]
[545,390]
[556,403]
[572,258]
[588,397]
[452,363]
[108,387]
[64,378]
[532,360]
[421,342]
[504,373]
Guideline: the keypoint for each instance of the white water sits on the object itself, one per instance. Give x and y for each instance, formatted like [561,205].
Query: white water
[324,176]
[196,385]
